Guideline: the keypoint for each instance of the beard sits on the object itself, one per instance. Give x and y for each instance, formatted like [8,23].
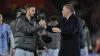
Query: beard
[31,15]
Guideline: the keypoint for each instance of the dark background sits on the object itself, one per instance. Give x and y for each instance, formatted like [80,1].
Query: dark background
[89,10]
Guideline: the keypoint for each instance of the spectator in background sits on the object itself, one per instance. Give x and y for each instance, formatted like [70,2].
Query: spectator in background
[87,39]
[5,33]
[54,46]
[19,13]
[98,46]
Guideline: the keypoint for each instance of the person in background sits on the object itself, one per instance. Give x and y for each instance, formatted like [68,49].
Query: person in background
[26,37]
[98,46]
[5,33]
[54,45]
[13,24]
[19,13]
[87,40]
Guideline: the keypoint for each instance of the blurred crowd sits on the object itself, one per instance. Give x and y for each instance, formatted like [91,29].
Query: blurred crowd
[30,34]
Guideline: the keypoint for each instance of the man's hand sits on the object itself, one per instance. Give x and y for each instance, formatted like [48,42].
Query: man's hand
[12,51]
[45,48]
[56,30]
[42,23]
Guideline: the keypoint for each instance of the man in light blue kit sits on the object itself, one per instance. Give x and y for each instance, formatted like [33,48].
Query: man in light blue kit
[5,33]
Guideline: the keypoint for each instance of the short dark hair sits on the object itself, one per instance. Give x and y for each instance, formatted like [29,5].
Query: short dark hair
[53,18]
[29,6]
[69,6]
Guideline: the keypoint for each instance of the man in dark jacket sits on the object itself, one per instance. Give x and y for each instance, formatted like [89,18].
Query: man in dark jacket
[69,28]
[26,37]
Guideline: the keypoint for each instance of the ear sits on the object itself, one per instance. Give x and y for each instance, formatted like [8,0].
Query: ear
[27,9]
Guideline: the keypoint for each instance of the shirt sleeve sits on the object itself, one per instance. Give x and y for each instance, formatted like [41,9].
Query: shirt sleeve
[10,34]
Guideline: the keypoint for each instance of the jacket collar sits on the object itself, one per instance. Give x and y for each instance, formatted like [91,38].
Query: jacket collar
[30,22]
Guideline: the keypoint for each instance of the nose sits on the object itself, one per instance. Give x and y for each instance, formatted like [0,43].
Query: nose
[62,11]
[34,12]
